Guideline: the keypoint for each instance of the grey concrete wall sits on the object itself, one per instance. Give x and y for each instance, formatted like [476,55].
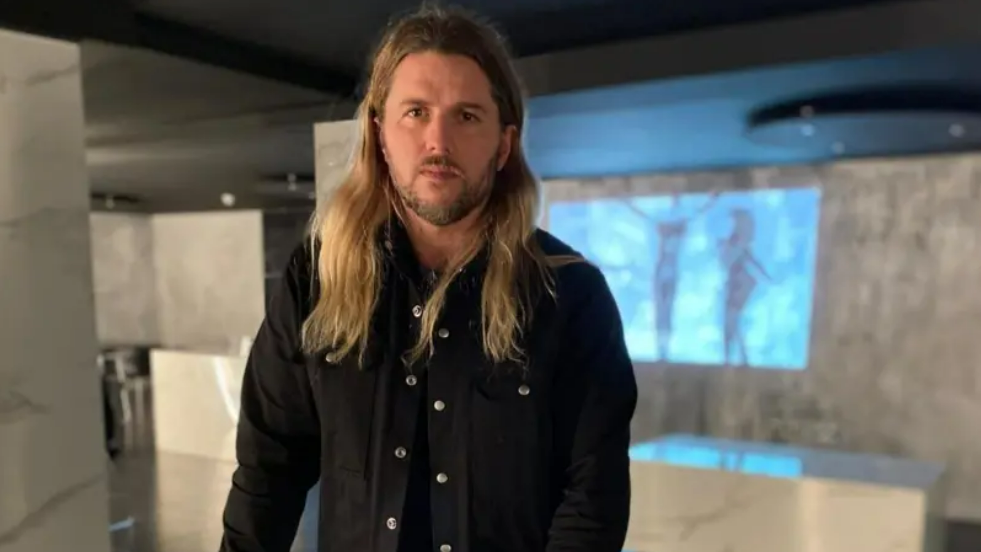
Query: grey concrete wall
[895,363]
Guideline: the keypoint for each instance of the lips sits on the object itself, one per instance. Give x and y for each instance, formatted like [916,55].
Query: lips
[439,172]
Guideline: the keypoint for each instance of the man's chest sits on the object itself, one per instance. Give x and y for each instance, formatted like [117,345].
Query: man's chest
[470,401]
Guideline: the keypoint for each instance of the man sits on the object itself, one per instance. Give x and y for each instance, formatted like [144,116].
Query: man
[456,378]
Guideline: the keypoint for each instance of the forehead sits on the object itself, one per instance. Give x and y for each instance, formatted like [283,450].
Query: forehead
[440,79]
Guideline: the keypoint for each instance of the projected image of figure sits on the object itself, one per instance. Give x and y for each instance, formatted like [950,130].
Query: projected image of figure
[671,228]
[742,272]
[705,279]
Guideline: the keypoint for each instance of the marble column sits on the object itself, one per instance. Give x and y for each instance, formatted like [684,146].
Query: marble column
[53,495]
[333,145]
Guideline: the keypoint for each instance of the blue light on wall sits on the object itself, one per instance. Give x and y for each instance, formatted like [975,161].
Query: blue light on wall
[705,279]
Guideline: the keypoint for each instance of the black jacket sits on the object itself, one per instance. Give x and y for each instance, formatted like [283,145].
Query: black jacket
[530,460]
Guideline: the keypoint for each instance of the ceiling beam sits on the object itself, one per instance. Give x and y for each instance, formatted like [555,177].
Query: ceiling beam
[69,20]
[221,128]
[180,40]
[114,21]
[866,30]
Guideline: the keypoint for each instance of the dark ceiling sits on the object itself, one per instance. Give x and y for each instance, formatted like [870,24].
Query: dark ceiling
[323,45]
[338,36]
[186,99]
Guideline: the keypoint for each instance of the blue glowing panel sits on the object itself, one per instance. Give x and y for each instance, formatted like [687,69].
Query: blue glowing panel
[712,458]
[705,279]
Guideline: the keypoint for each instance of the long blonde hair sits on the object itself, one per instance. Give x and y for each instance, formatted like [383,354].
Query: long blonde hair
[350,260]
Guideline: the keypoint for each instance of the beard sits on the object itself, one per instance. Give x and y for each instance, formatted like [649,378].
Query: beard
[472,195]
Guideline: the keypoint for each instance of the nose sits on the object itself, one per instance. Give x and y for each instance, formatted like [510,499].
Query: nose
[439,134]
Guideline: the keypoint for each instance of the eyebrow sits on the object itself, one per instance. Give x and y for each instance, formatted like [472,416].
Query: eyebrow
[459,105]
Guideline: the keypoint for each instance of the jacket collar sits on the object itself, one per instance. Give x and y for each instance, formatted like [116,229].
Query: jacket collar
[397,247]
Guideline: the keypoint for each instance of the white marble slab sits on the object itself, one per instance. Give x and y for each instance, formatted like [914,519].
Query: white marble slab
[210,277]
[196,402]
[334,143]
[125,279]
[693,494]
[52,459]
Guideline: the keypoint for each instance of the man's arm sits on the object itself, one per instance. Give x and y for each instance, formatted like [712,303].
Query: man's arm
[595,398]
[278,441]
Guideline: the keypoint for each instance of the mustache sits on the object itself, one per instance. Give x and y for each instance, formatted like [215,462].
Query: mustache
[439,162]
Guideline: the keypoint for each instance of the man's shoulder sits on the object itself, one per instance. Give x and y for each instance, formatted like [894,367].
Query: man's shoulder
[581,289]
[300,273]
[302,260]
[575,269]
[551,245]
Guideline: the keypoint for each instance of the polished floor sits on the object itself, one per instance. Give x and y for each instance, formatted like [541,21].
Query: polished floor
[161,502]
[174,502]
[168,503]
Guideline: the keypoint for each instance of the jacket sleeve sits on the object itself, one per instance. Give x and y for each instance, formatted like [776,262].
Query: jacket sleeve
[278,443]
[594,401]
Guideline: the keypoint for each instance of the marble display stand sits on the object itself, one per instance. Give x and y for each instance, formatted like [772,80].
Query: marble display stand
[196,402]
[693,494]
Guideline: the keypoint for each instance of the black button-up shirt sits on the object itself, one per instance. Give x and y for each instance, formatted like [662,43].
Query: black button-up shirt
[528,458]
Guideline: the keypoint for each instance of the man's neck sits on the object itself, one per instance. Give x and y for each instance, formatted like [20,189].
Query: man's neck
[435,246]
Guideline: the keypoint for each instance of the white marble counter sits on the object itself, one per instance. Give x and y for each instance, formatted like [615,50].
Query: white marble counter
[196,402]
[693,494]
[196,399]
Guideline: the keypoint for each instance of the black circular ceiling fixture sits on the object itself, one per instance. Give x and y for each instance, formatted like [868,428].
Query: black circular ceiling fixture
[872,121]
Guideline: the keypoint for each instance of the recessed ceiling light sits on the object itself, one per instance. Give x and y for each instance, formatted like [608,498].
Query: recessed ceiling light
[956,130]
[838,148]
[807,130]
[227,199]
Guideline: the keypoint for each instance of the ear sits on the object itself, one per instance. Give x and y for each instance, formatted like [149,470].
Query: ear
[381,138]
[509,139]
[378,132]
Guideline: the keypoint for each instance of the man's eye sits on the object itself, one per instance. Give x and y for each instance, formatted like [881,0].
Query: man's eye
[414,112]
[470,117]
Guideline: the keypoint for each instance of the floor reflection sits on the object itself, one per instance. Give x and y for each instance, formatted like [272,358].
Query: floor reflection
[171,502]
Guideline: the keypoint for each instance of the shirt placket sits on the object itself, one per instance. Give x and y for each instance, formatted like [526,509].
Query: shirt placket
[401,437]
[443,447]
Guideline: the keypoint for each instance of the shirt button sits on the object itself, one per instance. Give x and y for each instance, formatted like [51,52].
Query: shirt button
[443,332]
[400,452]
[411,380]
[524,390]
[417,311]
[391,523]
[442,478]
[439,406]
[445,548]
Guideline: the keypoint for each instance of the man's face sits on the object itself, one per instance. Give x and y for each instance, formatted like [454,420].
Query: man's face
[441,136]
